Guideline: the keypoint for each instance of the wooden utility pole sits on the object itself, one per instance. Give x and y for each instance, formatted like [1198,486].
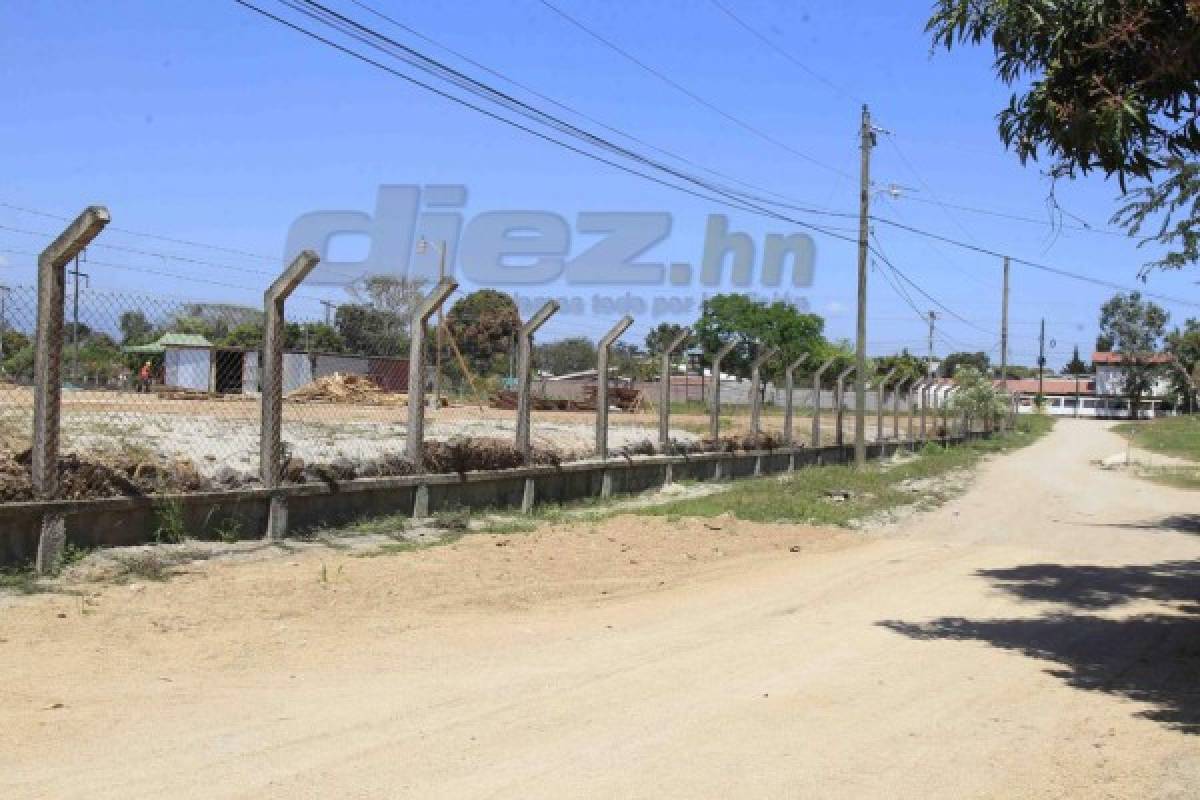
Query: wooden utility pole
[867,135]
[1004,337]
[1041,358]
[932,324]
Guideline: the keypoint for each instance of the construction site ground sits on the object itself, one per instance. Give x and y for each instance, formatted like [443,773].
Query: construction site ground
[223,432]
[1037,636]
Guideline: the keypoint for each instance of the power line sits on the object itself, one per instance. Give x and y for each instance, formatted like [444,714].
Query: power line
[1034,264]
[801,65]
[150,271]
[1084,228]
[913,170]
[581,114]
[136,251]
[878,251]
[113,228]
[733,199]
[689,93]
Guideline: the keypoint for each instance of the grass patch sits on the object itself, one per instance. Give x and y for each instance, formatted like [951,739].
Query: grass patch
[387,525]
[20,580]
[1178,477]
[1172,436]
[411,545]
[838,495]
[506,525]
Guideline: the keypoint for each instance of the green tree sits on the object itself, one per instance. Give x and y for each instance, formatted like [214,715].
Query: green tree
[213,321]
[1184,346]
[135,328]
[18,364]
[1107,85]
[484,325]
[661,336]
[905,363]
[977,397]
[751,325]
[1076,366]
[953,362]
[365,330]
[574,354]
[315,337]
[248,335]
[398,296]
[1135,327]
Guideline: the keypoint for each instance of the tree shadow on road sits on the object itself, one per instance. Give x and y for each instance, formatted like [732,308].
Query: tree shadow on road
[1152,658]
[1179,523]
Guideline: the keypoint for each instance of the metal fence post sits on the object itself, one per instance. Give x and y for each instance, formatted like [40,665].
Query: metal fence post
[271,433]
[602,353]
[47,372]
[879,390]
[756,389]
[714,423]
[664,400]
[840,399]
[525,373]
[415,444]
[789,375]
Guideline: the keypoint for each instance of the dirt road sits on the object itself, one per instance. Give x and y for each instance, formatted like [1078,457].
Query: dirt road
[1037,637]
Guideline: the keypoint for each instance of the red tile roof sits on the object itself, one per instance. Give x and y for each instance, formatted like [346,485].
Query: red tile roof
[1049,386]
[1119,358]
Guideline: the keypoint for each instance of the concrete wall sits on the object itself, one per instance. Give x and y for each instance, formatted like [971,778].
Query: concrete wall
[134,520]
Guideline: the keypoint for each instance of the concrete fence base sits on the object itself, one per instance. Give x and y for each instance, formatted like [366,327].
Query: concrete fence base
[121,521]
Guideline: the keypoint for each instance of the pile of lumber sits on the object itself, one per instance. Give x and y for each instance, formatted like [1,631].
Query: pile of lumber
[507,400]
[346,388]
[624,398]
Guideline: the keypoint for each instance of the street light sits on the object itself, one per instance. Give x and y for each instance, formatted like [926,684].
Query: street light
[422,248]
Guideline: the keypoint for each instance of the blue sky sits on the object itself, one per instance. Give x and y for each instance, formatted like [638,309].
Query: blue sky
[205,122]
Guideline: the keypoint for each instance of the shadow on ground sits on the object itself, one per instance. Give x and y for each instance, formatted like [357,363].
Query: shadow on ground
[1178,523]
[1153,658]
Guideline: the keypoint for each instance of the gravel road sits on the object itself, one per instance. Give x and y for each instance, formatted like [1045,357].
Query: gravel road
[1038,637]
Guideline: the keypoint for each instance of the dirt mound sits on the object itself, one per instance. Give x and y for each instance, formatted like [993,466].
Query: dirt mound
[467,454]
[80,479]
[732,444]
[346,388]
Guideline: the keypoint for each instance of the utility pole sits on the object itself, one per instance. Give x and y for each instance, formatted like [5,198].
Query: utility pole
[329,308]
[76,274]
[932,324]
[4,290]
[867,134]
[1004,336]
[1041,357]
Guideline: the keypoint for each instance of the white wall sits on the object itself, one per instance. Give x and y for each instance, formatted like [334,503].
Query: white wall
[1110,380]
[250,373]
[297,371]
[188,368]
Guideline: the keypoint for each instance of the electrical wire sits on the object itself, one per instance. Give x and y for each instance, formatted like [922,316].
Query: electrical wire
[1034,264]
[731,199]
[689,93]
[797,62]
